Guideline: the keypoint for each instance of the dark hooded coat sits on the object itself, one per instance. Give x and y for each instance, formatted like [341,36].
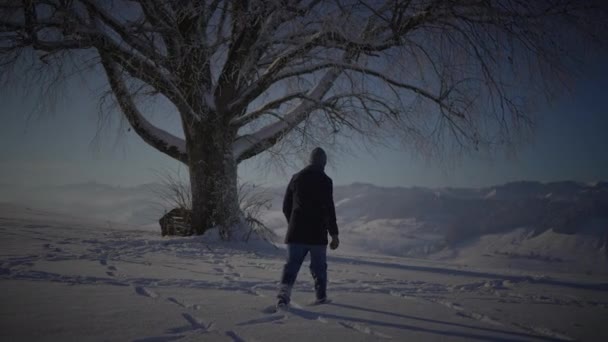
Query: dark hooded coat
[309,208]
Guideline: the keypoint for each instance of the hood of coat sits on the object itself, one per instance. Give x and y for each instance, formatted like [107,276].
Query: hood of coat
[318,158]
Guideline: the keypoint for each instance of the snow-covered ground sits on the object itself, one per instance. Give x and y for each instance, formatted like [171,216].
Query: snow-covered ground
[63,278]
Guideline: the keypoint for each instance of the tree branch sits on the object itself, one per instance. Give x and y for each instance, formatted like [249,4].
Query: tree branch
[438,99]
[128,35]
[161,140]
[266,78]
[146,71]
[249,146]
[274,104]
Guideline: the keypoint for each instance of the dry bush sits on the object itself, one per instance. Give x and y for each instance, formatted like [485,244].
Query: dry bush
[253,200]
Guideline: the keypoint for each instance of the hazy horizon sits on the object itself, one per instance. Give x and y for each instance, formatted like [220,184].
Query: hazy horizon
[68,147]
[354,183]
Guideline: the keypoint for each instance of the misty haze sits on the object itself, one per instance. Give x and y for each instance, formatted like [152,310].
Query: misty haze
[264,170]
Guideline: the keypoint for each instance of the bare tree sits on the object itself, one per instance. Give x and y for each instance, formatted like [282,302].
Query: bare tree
[245,75]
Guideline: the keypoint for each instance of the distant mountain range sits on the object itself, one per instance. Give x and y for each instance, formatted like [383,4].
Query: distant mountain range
[570,218]
[562,206]
[566,207]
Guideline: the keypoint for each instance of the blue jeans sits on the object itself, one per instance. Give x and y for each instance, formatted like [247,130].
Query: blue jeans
[318,268]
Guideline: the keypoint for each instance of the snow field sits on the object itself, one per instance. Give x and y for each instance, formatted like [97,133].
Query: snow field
[64,279]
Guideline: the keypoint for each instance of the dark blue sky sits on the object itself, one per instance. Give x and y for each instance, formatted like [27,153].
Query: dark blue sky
[570,144]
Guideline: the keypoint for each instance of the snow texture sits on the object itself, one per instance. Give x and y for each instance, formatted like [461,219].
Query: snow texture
[404,222]
[64,278]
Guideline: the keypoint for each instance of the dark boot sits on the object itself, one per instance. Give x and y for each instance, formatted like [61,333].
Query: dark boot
[284,296]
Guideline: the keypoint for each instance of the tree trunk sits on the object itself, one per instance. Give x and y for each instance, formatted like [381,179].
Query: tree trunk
[213,180]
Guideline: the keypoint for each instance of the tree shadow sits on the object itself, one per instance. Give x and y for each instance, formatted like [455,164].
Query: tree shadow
[509,335]
[475,274]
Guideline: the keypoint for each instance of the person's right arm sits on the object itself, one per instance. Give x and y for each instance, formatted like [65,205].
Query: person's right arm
[288,201]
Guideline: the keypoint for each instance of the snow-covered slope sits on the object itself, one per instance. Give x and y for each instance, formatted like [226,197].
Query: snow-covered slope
[515,223]
[522,222]
[68,279]
[523,249]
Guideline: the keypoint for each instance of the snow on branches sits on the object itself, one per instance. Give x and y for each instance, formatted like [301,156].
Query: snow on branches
[258,69]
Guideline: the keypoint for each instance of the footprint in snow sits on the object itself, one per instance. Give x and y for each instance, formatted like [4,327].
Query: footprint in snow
[194,324]
[142,291]
[112,271]
[186,306]
[175,301]
[197,323]
[269,319]
[364,329]
[234,336]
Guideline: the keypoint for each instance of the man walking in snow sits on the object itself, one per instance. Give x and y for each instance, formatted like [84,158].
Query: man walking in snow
[309,208]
